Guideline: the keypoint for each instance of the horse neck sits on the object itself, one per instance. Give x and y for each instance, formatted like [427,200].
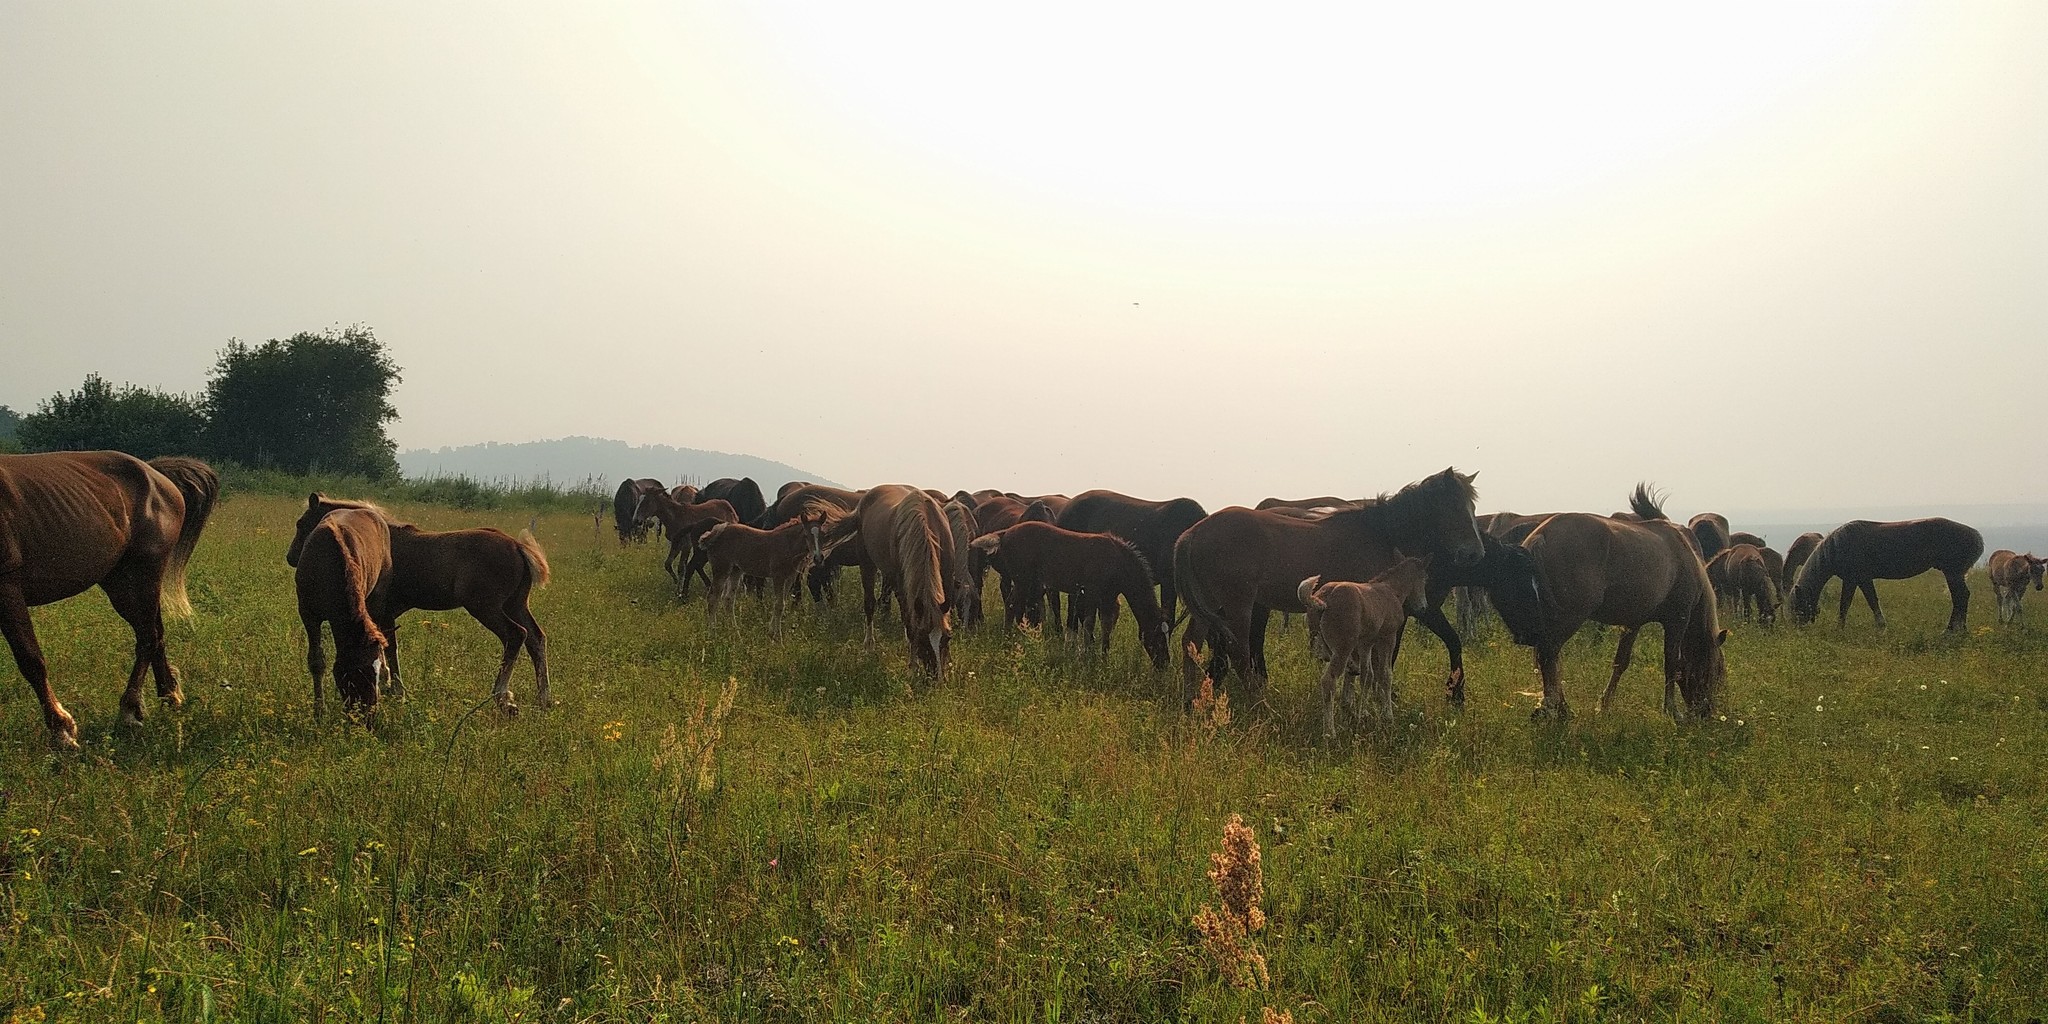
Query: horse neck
[1400,521]
[1818,569]
[1134,581]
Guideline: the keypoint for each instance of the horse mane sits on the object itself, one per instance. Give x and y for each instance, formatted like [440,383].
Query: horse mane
[1377,510]
[917,554]
[351,585]
[1647,502]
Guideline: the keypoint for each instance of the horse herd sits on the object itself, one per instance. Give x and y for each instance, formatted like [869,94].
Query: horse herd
[1358,569]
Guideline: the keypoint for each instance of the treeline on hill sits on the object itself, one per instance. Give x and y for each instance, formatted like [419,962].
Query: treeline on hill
[310,404]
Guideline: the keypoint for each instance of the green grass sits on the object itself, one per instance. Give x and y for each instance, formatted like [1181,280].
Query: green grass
[1861,839]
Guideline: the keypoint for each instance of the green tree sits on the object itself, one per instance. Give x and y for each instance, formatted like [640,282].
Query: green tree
[312,402]
[10,421]
[143,422]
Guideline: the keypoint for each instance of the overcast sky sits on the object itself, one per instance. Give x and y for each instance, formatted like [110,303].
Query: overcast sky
[1771,255]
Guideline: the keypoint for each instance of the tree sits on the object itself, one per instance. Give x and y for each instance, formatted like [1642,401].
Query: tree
[10,421]
[144,422]
[309,403]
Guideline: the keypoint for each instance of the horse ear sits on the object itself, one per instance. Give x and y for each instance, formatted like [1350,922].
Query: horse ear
[313,501]
[1720,638]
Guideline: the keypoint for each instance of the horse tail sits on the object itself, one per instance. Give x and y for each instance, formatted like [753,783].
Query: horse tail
[1197,597]
[1647,502]
[536,559]
[1307,594]
[200,486]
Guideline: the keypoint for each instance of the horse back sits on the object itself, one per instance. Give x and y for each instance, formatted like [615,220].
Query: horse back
[442,569]
[68,518]
[1263,556]
[1614,571]
[1863,550]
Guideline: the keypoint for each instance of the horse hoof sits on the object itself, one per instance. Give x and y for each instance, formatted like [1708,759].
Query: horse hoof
[1550,713]
[174,700]
[131,719]
[506,704]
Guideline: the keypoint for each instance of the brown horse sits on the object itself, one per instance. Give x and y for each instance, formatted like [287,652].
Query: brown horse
[1603,569]
[1326,501]
[1152,526]
[1710,531]
[743,494]
[966,581]
[1862,551]
[69,520]
[624,503]
[910,545]
[344,571]
[683,523]
[2010,574]
[1358,628]
[1745,537]
[1742,576]
[1094,568]
[485,572]
[779,556]
[831,502]
[1795,558]
[1239,565]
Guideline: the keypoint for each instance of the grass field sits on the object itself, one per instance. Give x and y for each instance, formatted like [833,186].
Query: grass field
[1862,839]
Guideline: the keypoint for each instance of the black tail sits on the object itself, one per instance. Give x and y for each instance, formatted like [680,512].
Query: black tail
[1647,502]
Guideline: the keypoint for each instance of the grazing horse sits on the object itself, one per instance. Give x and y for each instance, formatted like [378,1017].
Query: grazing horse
[1742,576]
[1710,533]
[2010,574]
[1623,573]
[344,572]
[625,506]
[1358,628]
[1795,558]
[1745,537]
[910,545]
[779,556]
[1862,551]
[1095,568]
[69,520]
[1239,565]
[683,524]
[743,494]
[485,572]
[1152,526]
[966,581]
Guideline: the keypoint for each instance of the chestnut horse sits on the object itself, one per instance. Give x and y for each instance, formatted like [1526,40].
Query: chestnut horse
[2010,574]
[485,572]
[683,523]
[910,545]
[736,551]
[1152,526]
[1795,558]
[1094,568]
[966,582]
[69,520]
[344,571]
[1358,628]
[626,502]
[1239,565]
[1862,551]
[1326,501]
[1623,573]
[832,502]
[1742,577]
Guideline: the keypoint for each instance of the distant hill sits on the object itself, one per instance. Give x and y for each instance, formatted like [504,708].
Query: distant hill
[572,461]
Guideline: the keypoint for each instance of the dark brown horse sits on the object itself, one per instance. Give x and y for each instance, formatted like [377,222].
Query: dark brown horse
[1795,558]
[485,572]
[70,520]
[1745,537]
[1326,501]
[1358,628]
[683,524]
[1862,551]
[1093,568]
[966,582]
[1710,532]
[1742,578]
[743,494]
[2010,574]
[624,504]
[1152,526]
[910,545]
[1603,569]
[780,556]
[1239,565]
[344,571]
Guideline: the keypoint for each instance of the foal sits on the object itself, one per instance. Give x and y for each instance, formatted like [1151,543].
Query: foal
[2010,574]
[683,523]
[779,556]
[1359,625]
[344,570]
[1741,575]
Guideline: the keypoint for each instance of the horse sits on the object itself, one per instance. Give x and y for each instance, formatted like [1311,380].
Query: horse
[484,571]
[736,550]
[625,502]
[69,520]
[910,545]
[1239,565]
[1622,573]
[1022,607]
[1326,501]
[1745,537]
[1096,568]
[1862,551]
[683,523]
[966,582]
[743,494]
[1742,576]
[1359,629]
[1710,531]
[2010,573]
[344,572]
[834,502]
[1152,526]
[1796,555]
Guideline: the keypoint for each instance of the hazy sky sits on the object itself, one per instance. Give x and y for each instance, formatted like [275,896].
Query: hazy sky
[1765,255]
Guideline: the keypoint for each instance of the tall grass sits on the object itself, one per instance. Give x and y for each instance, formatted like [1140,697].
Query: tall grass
[715,825]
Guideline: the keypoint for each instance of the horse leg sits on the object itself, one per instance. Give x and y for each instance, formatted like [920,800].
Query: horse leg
[1624,653]
[1330,674]
[1548,655]
[316,661]
[1959,601]
[1454,683]
[1869,588]
[390,631]
[867,603]
[28,656]
[1256,634]
[775,615]
[1674,653]
[536,652]
[1108,612]
[134,595]
[511,636]
[1842,613]
[1383,678]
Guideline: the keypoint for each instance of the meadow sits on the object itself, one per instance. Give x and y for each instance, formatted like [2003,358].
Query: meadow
[720,826]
